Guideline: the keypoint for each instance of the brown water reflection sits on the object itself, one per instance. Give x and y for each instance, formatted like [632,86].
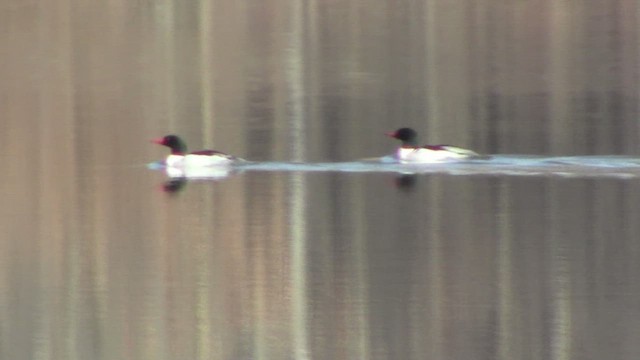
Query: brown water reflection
[460,267]
[97,262]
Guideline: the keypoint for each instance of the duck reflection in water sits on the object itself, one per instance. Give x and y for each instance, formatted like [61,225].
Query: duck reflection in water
[406,182]
[179,177]
[174,185]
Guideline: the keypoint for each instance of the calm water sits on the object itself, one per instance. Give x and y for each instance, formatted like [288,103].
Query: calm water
[309,251]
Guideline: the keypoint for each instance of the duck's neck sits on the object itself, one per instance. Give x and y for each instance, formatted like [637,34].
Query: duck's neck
[409,143]
[179,148]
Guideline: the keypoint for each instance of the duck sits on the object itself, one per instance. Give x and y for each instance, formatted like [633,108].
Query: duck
[180,158]
[411,153]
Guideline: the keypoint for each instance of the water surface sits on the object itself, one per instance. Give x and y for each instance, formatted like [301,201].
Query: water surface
[308,251]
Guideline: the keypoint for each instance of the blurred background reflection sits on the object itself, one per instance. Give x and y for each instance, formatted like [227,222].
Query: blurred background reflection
[98,262]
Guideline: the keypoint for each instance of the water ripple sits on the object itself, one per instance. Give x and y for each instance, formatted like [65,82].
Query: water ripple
[498,165]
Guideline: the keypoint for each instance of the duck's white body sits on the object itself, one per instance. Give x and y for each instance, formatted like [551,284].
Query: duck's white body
[194,160]
[433,154]
[199,172]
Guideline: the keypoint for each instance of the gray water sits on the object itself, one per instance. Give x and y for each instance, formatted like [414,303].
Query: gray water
[319,247]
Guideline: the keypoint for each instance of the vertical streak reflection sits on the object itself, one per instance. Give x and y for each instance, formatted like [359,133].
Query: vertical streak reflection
[431,72]
[204,324]
[295,82]
[167,22]
[560,283]
[297,201]
[506,341]
[435,336]
[561,302]
[298,193]
[206,39]
[560,73]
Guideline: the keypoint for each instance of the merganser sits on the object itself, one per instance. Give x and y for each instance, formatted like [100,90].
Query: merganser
[409,152]
[179,158]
